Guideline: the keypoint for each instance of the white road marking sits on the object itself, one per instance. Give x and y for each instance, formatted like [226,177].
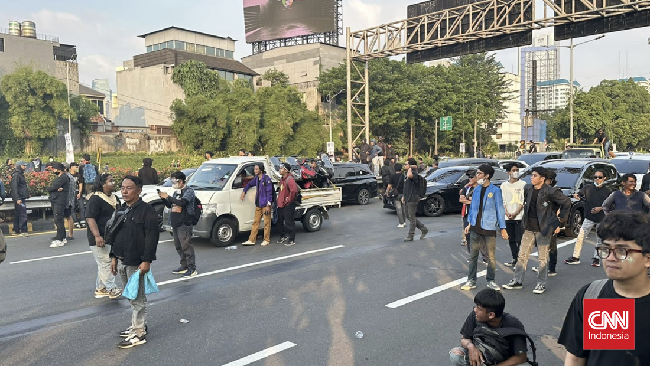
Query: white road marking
[261,354]
[568,242]
[64,255]
[180,279]
[435,290]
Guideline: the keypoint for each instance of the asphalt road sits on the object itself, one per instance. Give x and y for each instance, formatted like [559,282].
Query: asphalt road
[299,305]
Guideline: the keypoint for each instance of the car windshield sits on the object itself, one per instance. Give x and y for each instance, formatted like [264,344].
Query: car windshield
[448,176]
[212,176]
[566,176]
[631,166]
[580,153]
[530,159]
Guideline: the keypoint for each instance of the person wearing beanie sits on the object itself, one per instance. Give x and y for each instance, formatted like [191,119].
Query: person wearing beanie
[59,191]
[19,193]
[147,173]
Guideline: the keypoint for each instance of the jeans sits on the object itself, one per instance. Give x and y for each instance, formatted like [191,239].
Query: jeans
[184,248]
[399,208]
[528,241]
[484,254]
[411,207]
[20,217]
[515,232]
[105,279]
[82,207]
[476,241]
[58,209]
[259,213]
[138,306]
[286,221]
[377,164]
[463,359]
[585,229]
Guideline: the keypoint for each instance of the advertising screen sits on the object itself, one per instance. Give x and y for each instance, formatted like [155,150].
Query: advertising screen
[275,19]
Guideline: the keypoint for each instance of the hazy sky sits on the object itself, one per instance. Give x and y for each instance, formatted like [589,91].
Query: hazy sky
[105,33]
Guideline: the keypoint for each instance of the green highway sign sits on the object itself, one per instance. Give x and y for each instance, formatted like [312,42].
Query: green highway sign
[445,123]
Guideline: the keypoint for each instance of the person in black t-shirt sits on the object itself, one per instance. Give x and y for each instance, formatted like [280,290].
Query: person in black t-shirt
[626,259]
[395,190]
[488,311]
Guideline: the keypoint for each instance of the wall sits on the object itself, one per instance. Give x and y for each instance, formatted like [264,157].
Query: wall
[132,142]
[190,37]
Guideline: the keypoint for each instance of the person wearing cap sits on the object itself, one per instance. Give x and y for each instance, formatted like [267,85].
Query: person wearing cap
[59,190]
[287,206]
[19,193]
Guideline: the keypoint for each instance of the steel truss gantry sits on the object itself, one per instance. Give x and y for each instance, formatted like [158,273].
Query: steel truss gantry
[480,20]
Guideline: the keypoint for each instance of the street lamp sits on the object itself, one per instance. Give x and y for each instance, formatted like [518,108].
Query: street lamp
[329,100]
[67,73]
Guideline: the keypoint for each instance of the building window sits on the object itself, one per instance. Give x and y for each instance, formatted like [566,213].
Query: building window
[189,47]
[163,45]
[200,49]
[149,49]
[210,51]
[222,74]
[230,54]
[156,47]
[170,44]
[2,44]
[230,76]
[179,45]
[220,52]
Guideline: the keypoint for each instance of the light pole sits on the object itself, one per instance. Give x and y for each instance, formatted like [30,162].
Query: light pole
[329,100]
[67,75]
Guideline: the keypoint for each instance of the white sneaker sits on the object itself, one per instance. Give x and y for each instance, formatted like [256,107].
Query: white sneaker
[401,225]
[265,243]
[248,242]
[56,244]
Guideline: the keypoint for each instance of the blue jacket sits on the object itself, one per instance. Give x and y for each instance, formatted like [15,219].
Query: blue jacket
[265,194]
[493,211]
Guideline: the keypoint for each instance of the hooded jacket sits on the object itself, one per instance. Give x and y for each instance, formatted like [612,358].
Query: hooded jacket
[56,197]
[19,190]
[148,174]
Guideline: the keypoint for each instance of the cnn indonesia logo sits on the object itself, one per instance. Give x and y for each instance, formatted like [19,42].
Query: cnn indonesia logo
[608,324]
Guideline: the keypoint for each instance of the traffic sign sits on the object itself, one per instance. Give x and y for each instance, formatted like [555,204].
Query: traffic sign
[330,148]
[445,123]
[462,147]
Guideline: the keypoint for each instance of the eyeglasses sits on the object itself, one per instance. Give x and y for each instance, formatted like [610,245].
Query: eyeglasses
[174,180]
[619,253]
[599,177]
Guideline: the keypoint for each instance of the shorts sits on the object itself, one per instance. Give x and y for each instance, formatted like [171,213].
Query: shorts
[67,212]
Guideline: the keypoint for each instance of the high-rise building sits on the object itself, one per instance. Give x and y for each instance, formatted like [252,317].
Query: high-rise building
[509,127]
[554,94]
[540,63]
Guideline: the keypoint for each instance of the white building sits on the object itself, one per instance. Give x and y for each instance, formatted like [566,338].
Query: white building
[539,63]
[639,80]
[509,127]
[554,94]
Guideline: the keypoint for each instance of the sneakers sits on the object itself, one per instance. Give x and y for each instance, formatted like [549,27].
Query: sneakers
[114,293]
[64,240]
[283,240]
[101,292]
[572,260]
[132,340]
[190,273]
[290,243]
[552,273]
[513,285]
[179,270]
[248,242]
[401,225]
[408,239]
[24,235]
[69,238]
[595,262]
[493,285]
[463,243]
[512,263]
[539,289]
[265,243]
[56,244]
[468,286]
[425,231]
[126,332]
[534,269]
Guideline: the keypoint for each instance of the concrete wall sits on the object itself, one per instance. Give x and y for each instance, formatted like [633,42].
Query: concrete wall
[132,142]
[144,96]
[302,63]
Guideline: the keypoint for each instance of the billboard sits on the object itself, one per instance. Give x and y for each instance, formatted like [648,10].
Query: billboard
[267,20]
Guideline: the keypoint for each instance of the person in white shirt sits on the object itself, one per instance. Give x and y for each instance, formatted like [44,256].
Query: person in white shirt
[513,200]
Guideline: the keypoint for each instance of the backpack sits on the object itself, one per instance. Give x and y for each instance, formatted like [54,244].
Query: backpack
[298,199]
[198,210]
[494,346]
[593,291]
[422,186]
[114,224]
[89,174]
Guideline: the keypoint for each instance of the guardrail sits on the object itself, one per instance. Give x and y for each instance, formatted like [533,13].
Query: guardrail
[40,202]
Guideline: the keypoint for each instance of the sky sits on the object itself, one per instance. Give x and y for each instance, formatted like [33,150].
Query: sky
[105,33]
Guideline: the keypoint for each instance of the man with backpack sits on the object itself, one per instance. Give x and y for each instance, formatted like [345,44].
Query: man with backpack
[625,253]
[489,325]
[287,206]
[263,204]
[87,175]
[415,188]
[182,204]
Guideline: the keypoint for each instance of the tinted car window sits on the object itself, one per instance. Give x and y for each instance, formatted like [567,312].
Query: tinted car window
[631,166]
[500,176]
[449,176]
[343,172]
[362,171]
[566,176]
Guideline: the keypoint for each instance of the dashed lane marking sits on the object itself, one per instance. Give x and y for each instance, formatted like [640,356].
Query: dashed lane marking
[262,354]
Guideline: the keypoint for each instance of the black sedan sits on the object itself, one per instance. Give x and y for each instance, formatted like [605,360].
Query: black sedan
[357,181]
[572,175]
[468,162]
[443,190]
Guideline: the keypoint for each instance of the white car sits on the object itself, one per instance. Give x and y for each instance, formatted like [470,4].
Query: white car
[632,164]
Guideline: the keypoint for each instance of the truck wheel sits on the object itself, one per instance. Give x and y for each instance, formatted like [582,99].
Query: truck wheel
[363,196]
[312,220]
[224,232]
[159,211]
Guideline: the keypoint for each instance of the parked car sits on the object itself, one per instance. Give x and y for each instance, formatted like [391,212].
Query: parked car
[468,162]
[572,175]
[519,163]
[443,190]
[358,182]
[533,158]
[632,164]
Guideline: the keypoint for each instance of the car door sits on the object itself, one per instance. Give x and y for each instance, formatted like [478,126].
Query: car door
[587,176]
[243,210]
[451,194]
[364,177]
[611,177]
[344,177]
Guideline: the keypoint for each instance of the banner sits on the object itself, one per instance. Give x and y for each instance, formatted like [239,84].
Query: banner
[69,150]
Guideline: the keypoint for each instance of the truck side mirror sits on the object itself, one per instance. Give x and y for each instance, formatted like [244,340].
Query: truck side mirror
[238,183]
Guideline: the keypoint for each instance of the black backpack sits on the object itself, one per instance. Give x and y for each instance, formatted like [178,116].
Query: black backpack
[422,186]
[198,210]
[494,346]
[298,199]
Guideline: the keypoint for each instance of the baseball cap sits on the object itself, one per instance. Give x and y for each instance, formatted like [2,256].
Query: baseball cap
[286,166]
[57,165]
[20,162]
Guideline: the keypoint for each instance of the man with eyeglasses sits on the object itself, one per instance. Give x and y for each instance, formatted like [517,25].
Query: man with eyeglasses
[593,196]
[625,252]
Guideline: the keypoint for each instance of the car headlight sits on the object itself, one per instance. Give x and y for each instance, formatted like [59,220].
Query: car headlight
[210,208]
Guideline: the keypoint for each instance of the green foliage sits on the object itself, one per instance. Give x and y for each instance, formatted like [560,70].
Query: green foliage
[196,79]
[84,111]
[276,77]
[35,101]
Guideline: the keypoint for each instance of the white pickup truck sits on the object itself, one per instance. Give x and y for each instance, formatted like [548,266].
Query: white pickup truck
[219,183]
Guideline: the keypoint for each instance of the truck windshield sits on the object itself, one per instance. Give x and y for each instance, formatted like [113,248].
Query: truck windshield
[212,176]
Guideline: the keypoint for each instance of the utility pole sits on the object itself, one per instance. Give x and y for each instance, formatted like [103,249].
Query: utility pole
[349,93]
[67,73]
[435,150]
[571,96]
[411,145]
[475,140]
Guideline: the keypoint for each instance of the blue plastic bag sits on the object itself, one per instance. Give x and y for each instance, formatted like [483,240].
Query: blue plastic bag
[131,288]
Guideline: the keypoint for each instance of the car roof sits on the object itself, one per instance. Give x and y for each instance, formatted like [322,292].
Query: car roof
[340,163]
[237,160]
[632,157]
[542,153]
[571,163]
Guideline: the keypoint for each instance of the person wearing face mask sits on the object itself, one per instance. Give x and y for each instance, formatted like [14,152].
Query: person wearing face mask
[182,214]
[59,199]
[593,196]
[513,200]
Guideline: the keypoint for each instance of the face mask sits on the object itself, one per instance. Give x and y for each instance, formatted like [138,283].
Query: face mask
[515,175]
[176,186]
[55,172]
[480,181]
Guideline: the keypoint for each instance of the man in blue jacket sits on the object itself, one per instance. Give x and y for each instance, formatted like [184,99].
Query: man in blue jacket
[263,204]
[486,216]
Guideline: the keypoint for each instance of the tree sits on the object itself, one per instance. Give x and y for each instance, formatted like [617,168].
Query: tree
[196,79]
[36,102]
[276,77]
[84,111]
[243,118]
